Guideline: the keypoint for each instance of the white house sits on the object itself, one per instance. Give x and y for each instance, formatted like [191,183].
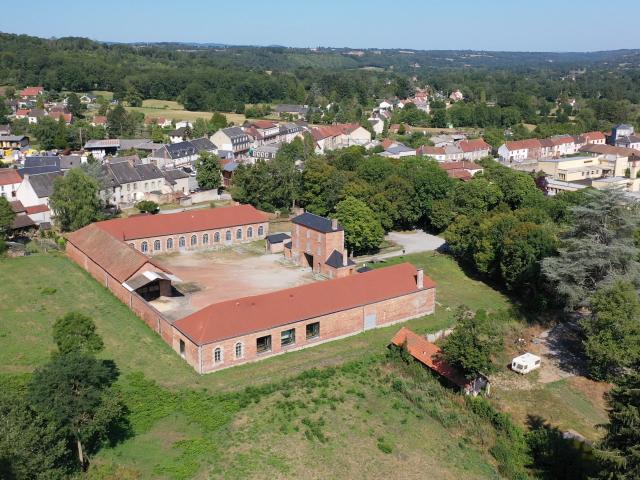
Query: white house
[10,181]
[377,125]
[36,189]
[332,137]
[232,139]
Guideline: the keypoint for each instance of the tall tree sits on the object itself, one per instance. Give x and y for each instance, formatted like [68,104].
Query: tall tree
[474,342]
[208,171]
[362,230]
[598,250]
[75,200]
[619,451]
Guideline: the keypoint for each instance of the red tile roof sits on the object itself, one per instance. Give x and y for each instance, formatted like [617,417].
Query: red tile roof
[475,145]
[9,176]
[593,136]
[67,117]
[100,120]
[261,312]
[530,143]
[565,139]
[117,258]
[31,91]
[428,150]
[145,226]
[460,166]
[334,130]
[22,112]
[263,124]
[36,209]
[428,354]
[610,150]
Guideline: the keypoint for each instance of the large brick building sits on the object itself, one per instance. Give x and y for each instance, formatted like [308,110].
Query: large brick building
[318,242]
[246,329]
[189,230]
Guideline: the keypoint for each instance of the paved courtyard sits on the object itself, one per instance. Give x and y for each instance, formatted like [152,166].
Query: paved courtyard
[214,276]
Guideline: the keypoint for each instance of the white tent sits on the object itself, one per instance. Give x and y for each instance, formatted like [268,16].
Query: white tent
[525,363]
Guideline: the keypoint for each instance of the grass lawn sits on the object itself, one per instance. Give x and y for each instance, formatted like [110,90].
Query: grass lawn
[175,111]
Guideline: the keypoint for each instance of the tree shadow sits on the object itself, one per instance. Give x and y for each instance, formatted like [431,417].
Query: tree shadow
[557,454]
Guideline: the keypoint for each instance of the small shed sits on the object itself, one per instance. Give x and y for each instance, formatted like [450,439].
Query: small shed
[525,363]
[151,285]
[276,241]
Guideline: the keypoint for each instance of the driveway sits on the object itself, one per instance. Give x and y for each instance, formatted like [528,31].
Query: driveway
[414,241]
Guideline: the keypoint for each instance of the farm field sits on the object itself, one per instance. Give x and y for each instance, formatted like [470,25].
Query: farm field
[331,411]
[175,111]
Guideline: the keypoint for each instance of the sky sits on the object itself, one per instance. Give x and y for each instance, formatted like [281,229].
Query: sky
[516,25]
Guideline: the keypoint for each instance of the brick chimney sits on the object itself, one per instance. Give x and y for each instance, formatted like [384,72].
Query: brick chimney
[420,279]
[334,224]
[345,258]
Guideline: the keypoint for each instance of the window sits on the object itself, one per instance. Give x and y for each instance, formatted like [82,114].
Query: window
[216,237]
[146,185]
[144,247]
[205,239]
[250,232]
[288,337]
[238,350]
[239,234]
[156,245]
[260,230]
[194,240]
[169,243]
[182,348]
[313,330]
[263,344]
[217,355]
[227,236]
[182,242]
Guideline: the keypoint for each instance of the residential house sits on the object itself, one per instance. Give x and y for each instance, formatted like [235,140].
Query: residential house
[10,181]
[178,135]
[160,121]
[67,162]
[184,124]
[263,132]
[473,150]
[377,125]
[287,132]
[456,96]
[624,136]
[233,139]
[31,93]
[127,183]
[22,113]
[14,142]
[397,150]
[460,170]
[293,111]
[35,114]
[437,153]
[332,137]
[5,130]
[101,148]
[180,154]
[176,181]
[265,152]
[87,99]
[67,117]
[99,121]
[228,171]
[36,190]
[520,151]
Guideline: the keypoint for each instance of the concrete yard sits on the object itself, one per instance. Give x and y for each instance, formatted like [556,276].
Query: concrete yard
[214,276]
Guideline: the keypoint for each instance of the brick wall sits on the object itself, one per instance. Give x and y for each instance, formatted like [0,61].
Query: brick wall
[333,326]
[200,237]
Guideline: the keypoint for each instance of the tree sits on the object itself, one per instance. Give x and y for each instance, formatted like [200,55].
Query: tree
[194,97]
[118,122]
[618,452]
[208,171]
[74,105]
[362,230]
[478,195]
[612,331]
[598,250]
[5,111]
[7,216]
[473,343]
[218,121]
[75,200]
[76,332]
[73,392]
[147,206]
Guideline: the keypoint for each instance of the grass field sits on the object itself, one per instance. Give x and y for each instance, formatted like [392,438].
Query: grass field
[175,111]
[338,410]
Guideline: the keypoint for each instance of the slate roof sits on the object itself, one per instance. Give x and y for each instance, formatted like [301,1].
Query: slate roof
[70,161]
[175,174]
[203,144]
[124,172]
[315,222]
[36,161]
[177,150]
[42,183]
[12,138]
[278,237]
[38,170]
[22,221]
[336,258]
[285,108]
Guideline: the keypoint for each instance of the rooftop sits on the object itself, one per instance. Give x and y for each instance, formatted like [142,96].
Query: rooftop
[243,316]
[315,222]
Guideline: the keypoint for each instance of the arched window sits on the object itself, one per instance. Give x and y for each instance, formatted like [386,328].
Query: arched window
[250,232]
[217,355]
[205,239]
[239,234]
[260,230]
[216,237]
[144,247]
[169,243]
[238,350]
[227,236]
[181,242]
[194,240]
[156,245]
